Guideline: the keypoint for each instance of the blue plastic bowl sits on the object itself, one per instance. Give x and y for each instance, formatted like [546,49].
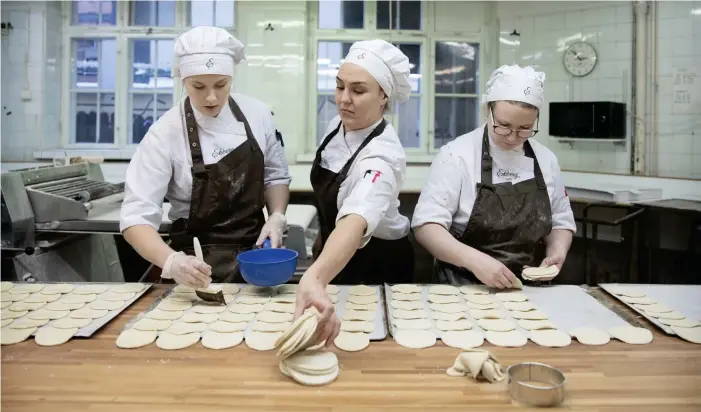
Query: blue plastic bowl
[267,266]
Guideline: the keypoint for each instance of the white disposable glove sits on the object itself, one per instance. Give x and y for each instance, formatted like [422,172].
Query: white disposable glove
[273,229]
[187,270]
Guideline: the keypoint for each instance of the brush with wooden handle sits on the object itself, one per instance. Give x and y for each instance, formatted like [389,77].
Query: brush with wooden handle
[208,295]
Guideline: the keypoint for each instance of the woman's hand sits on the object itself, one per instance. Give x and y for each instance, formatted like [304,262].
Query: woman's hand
[311,292]
[493,273]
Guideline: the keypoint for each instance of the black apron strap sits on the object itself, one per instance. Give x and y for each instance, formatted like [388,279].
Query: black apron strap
[376,132]
[238,114]
[326,141]
[198,168]
[537,172]
[487,162]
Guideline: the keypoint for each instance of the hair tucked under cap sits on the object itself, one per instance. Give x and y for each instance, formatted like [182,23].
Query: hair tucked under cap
[206,50]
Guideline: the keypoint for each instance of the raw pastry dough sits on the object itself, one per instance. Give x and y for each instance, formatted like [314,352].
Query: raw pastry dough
[14,314]
[183,289]
[105,304]
[207,308]
[151,324]
[5,304]
[682,323]
[68,323]
[299,336]
[362,290]
[408,314]
[23,288]
[360,306]
[284,299]
[536,273]
[412,324]
[58,288]
[448,307]
[479,363]
[497,325]
[448,316]
[270,327]
[462,339]
[311,368]
[333,298]
[622,291]
[406,304]
[169,341]
[462,324]
[174,305]
[512,296]
[16,297]
[41,298]
[87,313]
[532,315]
[444,290]
[510,339]
[11,336]
[181,297]
[5,286]
[24,306]
[667,315]
[50,336]
[274,317]
[236,317]
[536,324]
[229,288]
[407,296]
[406,288]
[5,322]
[48,314]
[28,323]
[253,300]
[332,289]
[485,314]
[656,307]
[590,336]
[631,335]
[479,299]
[117,296]
[640,301]
[132,338]
[352,341]
[183,328]
[692,335]
[243,308]
[78,298]
[474,290]
[414,338]
[90,289]
[357,326]
[159,314]
[443,298]
[262,341]
[358,315]
[228,327]
[287,289]
[258,290]
[552,338]
[280,307]
[519,306]
[218,340]
[491,305]
[194,317]
[129,287]
[363,299]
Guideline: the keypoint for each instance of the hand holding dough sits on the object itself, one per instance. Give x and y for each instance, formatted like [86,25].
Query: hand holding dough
[478,363]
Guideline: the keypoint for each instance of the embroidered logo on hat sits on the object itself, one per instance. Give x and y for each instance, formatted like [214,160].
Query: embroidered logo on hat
[361,56]
[209,64]
[527,91]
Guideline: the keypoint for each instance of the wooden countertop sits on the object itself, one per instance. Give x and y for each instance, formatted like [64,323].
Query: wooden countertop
[94,375]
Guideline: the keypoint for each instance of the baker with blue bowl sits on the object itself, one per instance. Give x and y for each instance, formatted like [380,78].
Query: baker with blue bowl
[218,160]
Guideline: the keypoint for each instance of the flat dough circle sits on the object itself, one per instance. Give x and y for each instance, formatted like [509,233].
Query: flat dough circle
[192,317]
[474,290]
[229,288]
[90,289]
[261,326]
[362,299]
[78,298]
[462,339]
[485,314]
[184,328]
[11,336]
[39,297]
[357,326]
[332,289]
[531,315]
[105,304]
[539,272]
[433,298]
[24,306]
[406,288]
[682,323]
[132,338]
[258,290]
[479,299]
[13,297]
[510,339]
[411,296]
[284,299]
[423,324]
[519,306]
[22,288]
[447,307]
[415,339]
[692,335]
[4,304]
[159,314]
[443,290]
[552,338]
[536,324]
[253,300]
[446,316]
[407,314]
[274,317]
[262,341]
[462,324]
[623,291]
[590,336]
[482,306]
[5,286]
[174,305]
[208,309]
[638,301]
[243,308]
[362,290]
[512,296]
[169,341]
[497,325]
[227,327]
[14,314]
[151,324]
[667,315]
[352,341]
[358,315]
[236,317]
[631,335]
[279,307]
[50,336]
[129,287]
[219,340]
[287,289]
[406,304]
[87,313]
[5,322]
[28,323]
[309,379]
[49,314]
[69,323]
[57,288]
[656,307]
[360,306]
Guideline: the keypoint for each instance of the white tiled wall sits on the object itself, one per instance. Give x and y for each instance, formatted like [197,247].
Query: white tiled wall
[546,28]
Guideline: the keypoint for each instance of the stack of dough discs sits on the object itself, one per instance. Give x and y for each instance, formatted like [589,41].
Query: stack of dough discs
[537,273]
[358,318]
[298,337]
[311,368]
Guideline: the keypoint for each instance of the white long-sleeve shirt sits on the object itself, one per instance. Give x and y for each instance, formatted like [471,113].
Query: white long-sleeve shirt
[161,166]
[374,180]
[450,191]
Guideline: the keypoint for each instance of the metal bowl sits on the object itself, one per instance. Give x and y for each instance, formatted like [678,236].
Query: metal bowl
[536,384]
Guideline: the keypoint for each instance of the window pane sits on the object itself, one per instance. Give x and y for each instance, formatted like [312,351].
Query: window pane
[106,118]
[86,13]
[151,64]
[153,13]
[85,110]
[454,116]
[218,13]
[409,114]
[341,14]
[225,13]
[163,104]
[328,61]
[142,108]
[413,52]
[95,63]
[406,15]
[457,66]
[325,111]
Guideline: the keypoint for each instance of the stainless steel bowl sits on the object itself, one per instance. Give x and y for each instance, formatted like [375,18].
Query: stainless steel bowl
[536,384]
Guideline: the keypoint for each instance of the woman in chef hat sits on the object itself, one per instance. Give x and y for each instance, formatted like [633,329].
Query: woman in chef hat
[216,157]
[357,174]
[494,195]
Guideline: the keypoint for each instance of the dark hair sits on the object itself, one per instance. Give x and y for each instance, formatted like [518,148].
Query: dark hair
[521,104]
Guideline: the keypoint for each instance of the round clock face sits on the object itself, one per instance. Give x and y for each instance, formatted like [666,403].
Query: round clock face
[580,59]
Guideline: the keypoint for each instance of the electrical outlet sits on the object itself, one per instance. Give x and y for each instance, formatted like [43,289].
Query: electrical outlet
[26,95]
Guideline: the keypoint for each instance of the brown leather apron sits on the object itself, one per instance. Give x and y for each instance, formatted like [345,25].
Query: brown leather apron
[380,261]
[508,221]
[226,206]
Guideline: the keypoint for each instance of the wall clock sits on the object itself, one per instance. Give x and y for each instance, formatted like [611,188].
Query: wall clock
[580,59]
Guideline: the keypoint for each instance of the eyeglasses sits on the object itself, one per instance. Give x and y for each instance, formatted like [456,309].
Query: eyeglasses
[505,131]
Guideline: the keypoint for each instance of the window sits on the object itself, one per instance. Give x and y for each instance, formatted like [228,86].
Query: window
[444,73]
[119,64]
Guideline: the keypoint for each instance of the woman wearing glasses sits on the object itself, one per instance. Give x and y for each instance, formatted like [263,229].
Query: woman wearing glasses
[494,196]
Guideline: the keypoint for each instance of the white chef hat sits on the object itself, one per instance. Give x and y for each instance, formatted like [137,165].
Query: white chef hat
[206,50]
[515,83]
[386,63]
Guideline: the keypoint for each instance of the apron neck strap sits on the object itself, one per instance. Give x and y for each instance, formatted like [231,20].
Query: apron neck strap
[538,174]
[193,139]
[376,132]
[487,162]
[328,138]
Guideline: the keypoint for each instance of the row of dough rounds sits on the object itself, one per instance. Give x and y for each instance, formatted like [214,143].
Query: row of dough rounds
[684,327]
[454,312]
[358,318]
[181,320]
[55,312]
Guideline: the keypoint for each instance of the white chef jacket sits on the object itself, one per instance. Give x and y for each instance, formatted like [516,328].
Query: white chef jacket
[161,166]
[450,191]
[371,188]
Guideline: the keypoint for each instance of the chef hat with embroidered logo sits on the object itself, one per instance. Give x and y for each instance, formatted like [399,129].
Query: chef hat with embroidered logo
[386,63]
[515,83]
[206,50]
